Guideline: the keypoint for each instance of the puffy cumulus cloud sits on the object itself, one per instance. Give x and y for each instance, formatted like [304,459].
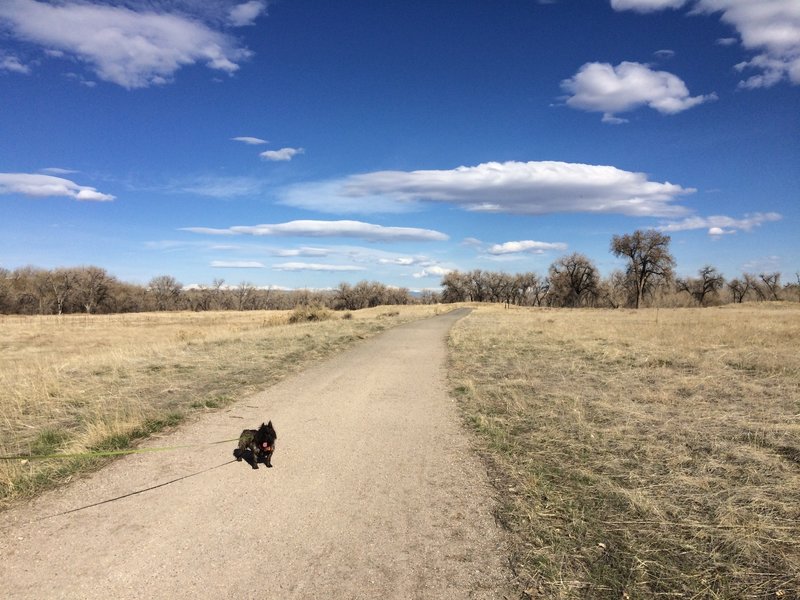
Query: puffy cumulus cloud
[512,187]
[771,28]
[645,6]
[348,229]
[283,154]
[246,14]
[434,271]
[237,264]
[527,246]
[41,186]
[602,87]
[252,141]
[133,48]
[720,224]
[303,266]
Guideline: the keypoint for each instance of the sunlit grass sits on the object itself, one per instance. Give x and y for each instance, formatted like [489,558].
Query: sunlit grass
[641,454]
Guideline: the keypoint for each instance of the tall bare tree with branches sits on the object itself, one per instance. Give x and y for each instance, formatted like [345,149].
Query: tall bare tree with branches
[649,260]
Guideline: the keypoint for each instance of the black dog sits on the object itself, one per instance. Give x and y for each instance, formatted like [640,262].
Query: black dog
[255,444]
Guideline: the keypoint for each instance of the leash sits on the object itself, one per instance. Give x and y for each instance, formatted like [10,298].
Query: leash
[129,494]
[110,452]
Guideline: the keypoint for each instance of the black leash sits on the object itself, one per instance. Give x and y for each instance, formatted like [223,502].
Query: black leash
[155,487]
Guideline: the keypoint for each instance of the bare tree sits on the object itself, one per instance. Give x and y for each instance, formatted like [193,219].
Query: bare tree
[455,287]
[705,287]
[574,281]
[166,291]
[772,284]
[649,259]
[92,287]
[739,289]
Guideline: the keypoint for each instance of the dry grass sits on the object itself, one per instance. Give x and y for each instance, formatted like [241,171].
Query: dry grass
[76,383]
[641,454]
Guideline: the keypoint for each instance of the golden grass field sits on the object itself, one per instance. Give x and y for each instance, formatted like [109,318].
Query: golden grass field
[636,454]
[81,383]
[640,454]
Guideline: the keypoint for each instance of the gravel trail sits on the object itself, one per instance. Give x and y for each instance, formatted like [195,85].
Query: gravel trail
[375,493]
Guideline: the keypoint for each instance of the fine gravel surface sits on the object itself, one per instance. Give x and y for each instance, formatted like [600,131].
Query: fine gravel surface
[375,493]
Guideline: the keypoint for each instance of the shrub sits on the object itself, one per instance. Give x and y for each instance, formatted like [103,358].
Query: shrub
[305,313]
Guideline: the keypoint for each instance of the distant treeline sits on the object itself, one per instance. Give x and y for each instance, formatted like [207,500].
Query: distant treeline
[571,281]
[92,290]
[647,280]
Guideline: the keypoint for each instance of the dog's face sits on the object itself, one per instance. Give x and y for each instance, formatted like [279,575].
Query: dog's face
[266,436]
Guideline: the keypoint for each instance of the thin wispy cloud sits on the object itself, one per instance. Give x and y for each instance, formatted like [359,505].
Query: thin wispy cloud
[303,266]
[237,264]
[720,225]
[41,186]
[215,186]
[284,154]
[131,48]
[347,229]
[525,246]
[512,187]
[646,6]
[252,141]
[608,89]
[12,64]
[58,171]
[305,251]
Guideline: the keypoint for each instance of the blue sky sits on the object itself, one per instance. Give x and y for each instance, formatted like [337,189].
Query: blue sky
[301,143]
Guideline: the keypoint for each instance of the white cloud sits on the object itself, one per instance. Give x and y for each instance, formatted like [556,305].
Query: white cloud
[403,261]
[528,246]
[131,48]
[769,27]
[13,64]
[301,266]
[305,251]
[721,224]
[41,186]
[512,187]
[664,54]
[717,232]
[246,14]
[282,154]
[602,87]
[58,171]
[237,264]
[252,141]
[432,272]
[218,187]
[351,229]
[645,6]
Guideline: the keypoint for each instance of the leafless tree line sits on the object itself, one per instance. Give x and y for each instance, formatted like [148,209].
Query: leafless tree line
[571,281]
[648,279]
[92,290]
